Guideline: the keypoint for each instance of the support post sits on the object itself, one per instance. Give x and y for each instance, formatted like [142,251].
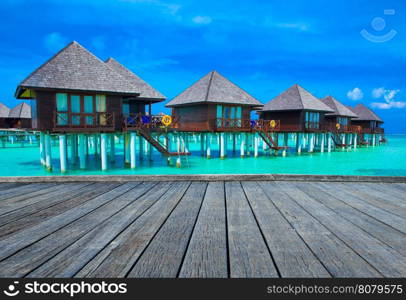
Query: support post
[329,138]
[202,144]
[126,148]
[355,141]
[208,145]
[242,145]
[103,151]
[62,152]
[256,144]
[222,145]
[133,150]
[42,147]
[48,152]
[323,135]
[298,143]
[82,156]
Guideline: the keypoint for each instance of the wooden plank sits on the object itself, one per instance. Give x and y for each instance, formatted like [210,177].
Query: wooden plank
[40,211]
[18,208]
[68,262]
[382,257]
[376,198]
[33,256]
[339,259]
[5,186]
[163,256]
[356,202]
[30,235]
[400,186]
[117,259]
[292,256]
[387,189]
[32,189]
[16,203]
[248,253]
[206,255]
[381,231]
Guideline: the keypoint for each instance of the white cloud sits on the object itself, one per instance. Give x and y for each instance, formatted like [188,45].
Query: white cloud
[378,93]
[388,96]
[296,26]
[55,41]
[202,20]
[392,104]
[355,94]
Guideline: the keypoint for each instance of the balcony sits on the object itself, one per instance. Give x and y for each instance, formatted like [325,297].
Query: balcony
[154,122]
[83,122]
[245,125]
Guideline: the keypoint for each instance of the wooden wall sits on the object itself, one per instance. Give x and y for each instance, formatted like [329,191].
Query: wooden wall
[194,117]
[46,107]
[290,120]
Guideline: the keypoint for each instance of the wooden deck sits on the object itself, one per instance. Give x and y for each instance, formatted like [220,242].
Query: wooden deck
[203,229]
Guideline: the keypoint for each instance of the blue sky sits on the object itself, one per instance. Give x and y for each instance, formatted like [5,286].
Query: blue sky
[265,47]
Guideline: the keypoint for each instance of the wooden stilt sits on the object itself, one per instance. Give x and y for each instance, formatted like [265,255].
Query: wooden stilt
[322,142]
[222,145]
[48,152]
[133,149]
[42,148]
[242,145]
[208,145]
[256,145]
[103,151]
[112,148]
[82,156]
[62,152]
[127,148]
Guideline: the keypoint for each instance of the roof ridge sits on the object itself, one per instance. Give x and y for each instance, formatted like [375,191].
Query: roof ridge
[209,86]
[297,86]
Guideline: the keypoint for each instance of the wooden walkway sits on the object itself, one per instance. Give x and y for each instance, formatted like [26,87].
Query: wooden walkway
[203,229]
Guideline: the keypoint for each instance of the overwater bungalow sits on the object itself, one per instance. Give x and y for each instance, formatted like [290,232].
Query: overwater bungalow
[216,107]
[370,124]
[18,117]
[4,112]
[213,104]
[339,122]
[301,116]
[75,92]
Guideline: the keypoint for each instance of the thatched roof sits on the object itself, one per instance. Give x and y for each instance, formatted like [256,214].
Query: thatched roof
[21,111]
[146,91]
[214,88]
[4,111]
[296,98]
[364,113]
[340,109]
[75,68]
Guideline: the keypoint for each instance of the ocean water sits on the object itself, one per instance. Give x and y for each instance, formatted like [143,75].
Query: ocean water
[384,160]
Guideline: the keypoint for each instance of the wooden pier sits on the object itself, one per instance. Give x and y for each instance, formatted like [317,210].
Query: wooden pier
[203,229]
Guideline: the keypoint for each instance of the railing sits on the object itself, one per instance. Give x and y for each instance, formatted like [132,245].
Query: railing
[332,127]
[136,121]
[312,126]
[373,130]
[246,124]
[97,120]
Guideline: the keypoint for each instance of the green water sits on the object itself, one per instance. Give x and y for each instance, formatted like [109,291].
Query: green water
[384,160]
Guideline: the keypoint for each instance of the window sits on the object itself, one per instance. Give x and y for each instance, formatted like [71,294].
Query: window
[343,121]
[312,120]
[62,109]
[89,109]
[231,114]
[100,108]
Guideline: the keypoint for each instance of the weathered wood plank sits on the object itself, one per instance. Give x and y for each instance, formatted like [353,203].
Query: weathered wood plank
[117,259]
[397,197]
[48,193]
[381,231]
[206,255]
[248,253]
[10,185]
[28,236]
[332,252]
[291,254]
[163,256]
[40,211]
[33,256]
[29,190]
[382,257]
[356,202]
[377,199]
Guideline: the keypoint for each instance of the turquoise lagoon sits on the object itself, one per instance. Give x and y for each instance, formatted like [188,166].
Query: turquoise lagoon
[385,160]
